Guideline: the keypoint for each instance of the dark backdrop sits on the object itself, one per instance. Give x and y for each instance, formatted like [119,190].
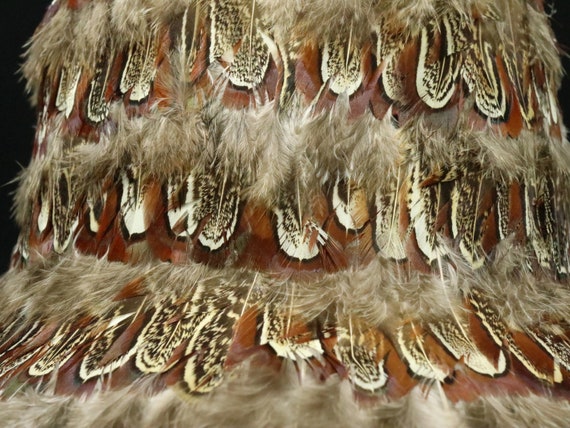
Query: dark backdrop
[17,118]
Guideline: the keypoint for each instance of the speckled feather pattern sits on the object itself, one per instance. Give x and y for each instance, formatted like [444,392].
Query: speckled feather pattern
[291,213]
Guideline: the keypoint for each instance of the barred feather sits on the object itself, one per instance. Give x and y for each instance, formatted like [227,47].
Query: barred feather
[320,197]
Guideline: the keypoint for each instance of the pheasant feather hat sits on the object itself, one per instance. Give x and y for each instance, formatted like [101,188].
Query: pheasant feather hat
[291,213]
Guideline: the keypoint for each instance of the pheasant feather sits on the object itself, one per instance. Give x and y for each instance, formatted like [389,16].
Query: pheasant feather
[259,213]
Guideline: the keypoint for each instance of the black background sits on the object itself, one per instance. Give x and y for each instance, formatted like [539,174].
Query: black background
[17,118]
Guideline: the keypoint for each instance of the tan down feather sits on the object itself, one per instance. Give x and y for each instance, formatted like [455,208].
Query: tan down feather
[291,213]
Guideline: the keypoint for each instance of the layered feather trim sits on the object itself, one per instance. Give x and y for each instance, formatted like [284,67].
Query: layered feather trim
[255,398]
[210,137]
[363,204]
[89,327]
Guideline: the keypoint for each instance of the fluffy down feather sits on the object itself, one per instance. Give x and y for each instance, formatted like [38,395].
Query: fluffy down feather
[291,213]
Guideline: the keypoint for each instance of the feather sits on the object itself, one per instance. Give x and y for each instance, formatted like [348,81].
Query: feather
[261,213]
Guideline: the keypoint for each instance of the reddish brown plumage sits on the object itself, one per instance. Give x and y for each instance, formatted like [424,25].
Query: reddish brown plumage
[354,204]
